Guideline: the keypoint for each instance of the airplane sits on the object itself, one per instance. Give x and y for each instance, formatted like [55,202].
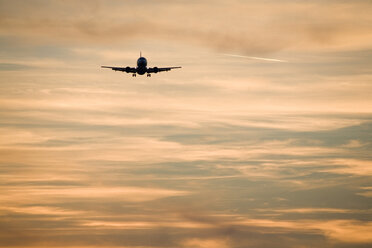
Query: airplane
[141,68]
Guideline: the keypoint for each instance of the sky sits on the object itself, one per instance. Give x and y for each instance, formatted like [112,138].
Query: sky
[262,139]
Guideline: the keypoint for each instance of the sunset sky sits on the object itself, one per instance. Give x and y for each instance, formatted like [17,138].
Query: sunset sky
[231,151]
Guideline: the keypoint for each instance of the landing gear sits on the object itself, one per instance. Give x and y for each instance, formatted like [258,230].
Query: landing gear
[148,75]
[134,75]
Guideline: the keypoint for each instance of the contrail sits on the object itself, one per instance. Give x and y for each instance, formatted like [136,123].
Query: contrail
[257,58]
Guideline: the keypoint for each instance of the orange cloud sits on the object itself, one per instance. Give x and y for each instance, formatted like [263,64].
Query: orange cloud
[206,243]
[269,26]
[349,231]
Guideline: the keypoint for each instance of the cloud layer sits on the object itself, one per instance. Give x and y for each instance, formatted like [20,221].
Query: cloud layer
[253,27]
[227,152]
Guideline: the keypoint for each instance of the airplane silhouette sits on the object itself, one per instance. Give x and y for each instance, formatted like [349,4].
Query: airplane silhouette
[141,68]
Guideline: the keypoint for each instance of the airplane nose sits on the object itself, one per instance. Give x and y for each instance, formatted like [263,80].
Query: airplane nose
[142,62]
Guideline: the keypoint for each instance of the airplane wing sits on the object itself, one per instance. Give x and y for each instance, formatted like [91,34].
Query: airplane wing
[123,69]
[157,69]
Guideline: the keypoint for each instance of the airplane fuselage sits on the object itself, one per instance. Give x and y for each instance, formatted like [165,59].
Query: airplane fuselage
[141,66]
